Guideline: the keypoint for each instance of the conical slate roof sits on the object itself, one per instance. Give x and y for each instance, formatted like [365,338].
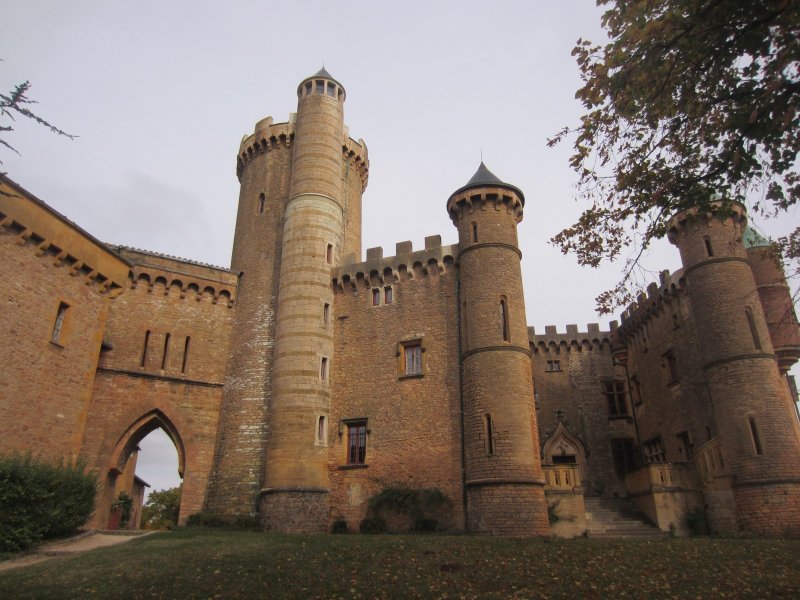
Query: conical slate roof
[485,178]
[752,239]
[322,74]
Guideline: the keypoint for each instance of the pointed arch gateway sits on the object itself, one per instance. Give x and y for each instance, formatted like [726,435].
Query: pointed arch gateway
[126,445]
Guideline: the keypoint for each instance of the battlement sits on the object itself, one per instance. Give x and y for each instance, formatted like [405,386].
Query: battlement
[182,277]
[407,264]
[573,339]
[651,303]
[496,198]
[696,216]
[269,136]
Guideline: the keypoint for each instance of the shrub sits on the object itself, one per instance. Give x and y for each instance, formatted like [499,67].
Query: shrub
[247,523]
[372,525]
[417,509]
[40,501]
[697,522]
[204,519]
[123,503]
[339,526]
[553,516]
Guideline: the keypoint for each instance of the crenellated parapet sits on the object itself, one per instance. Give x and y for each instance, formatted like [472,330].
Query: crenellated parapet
[591,340]
[268,137]
[485,198]
[653,304]
[435,260]
[356,156]
[49,234]
[185,279]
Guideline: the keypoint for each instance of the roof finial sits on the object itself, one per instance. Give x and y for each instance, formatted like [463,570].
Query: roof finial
[481,155]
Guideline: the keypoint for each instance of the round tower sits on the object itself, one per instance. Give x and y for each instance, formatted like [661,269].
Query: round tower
[776,298]
[754,419]
[263,167]
[296,487]
[504,480]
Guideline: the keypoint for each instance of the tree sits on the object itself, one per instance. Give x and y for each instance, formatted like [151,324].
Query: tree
[689,101]
[16,102]
[161,509]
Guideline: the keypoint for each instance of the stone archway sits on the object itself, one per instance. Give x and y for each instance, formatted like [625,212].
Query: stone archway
[125,447]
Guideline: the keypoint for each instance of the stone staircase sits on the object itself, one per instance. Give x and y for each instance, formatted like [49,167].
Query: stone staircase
[615,518]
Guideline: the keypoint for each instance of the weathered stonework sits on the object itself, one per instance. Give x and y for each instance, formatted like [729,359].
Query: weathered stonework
[304,380]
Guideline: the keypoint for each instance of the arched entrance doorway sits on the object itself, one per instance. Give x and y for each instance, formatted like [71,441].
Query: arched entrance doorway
[121,472]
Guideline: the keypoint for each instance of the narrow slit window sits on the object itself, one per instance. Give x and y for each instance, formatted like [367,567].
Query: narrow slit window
[144,349]
[489,435]
[756,438]
[474,231]
[326,315]
[58,325]
[329,254]
[387,295]
[753,331]
[504,319]
[185,354]
[709,248]
[166,352]
[321,429]
[323,368]
[262,202]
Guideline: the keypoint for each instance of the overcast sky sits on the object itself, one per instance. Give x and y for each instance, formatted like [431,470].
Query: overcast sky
[161,93]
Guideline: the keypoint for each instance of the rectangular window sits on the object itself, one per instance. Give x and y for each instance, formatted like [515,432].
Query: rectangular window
[552,366]
[615,395]
[412,356]
[323,368]
[331,89]
[670,367]
[356,442]
[387,295]
[329,254]
[636,391]
[322,430]
[58,325]
[326,315]
[686,443]
[623,451]
[320,87]
[376,297]
[654,451]
[753,331]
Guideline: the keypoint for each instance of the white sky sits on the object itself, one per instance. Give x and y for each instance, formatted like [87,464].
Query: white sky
[161,93]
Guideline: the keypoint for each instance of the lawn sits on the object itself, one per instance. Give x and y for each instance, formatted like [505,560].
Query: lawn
[199,563]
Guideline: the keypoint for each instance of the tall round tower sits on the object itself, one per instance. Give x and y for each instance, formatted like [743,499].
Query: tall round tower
[754,419]
[296,487]
[504,480]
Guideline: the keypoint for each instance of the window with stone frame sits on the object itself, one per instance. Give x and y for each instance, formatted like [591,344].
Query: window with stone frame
[552,366]
[654,451]
[615,396]
[412,358]
[623,452]
[356,442]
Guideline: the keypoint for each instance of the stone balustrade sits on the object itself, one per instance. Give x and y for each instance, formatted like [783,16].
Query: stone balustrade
[658,476]
[561,477]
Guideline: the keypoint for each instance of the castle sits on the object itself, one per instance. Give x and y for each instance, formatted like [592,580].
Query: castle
[302,381]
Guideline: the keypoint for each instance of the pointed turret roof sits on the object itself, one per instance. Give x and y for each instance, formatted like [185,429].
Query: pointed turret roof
[323,74]
[752,239]
[483,177]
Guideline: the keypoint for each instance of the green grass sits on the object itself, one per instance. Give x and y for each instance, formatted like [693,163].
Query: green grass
[198,563]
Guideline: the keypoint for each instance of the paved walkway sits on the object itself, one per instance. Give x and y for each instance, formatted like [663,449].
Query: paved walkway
[74,545]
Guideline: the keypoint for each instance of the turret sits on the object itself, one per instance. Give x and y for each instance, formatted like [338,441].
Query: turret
[775,296]
[296,487]
[504,482]
[753,415]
